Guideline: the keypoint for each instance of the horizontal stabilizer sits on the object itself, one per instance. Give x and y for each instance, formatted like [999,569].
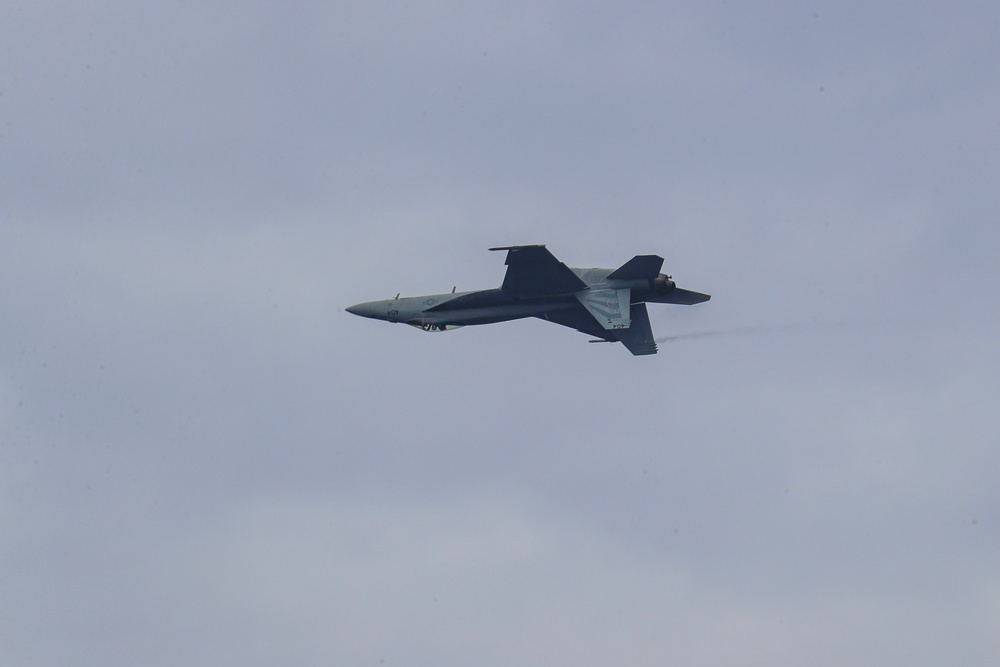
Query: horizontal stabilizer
[637,268]
[682,297]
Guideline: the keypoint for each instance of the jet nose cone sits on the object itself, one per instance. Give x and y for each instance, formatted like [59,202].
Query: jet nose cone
[372,309]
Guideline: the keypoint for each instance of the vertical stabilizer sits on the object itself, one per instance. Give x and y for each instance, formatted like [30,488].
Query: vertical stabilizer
[610,307]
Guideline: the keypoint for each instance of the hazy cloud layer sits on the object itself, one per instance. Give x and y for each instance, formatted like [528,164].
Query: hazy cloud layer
[206,461]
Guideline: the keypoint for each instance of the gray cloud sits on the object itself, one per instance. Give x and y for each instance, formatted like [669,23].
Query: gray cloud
[206,460]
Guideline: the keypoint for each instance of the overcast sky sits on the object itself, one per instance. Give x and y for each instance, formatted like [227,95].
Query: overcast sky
[205,461]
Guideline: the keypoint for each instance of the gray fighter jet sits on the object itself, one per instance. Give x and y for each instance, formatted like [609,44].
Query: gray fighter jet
[609,304]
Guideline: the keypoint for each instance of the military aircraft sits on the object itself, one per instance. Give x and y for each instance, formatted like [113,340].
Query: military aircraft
[609,304]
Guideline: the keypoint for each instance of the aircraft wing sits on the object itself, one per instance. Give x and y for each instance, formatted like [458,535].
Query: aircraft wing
[534,271]
[637,338]
[578,318]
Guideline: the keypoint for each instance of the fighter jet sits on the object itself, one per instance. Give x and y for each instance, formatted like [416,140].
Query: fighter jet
[608,304]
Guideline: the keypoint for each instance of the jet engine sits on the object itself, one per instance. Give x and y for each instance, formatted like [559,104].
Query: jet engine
[662,284]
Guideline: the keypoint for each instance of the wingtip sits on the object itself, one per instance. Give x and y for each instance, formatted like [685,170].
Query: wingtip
[518,247]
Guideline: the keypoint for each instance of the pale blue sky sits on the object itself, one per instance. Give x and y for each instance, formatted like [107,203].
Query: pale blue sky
[205,461]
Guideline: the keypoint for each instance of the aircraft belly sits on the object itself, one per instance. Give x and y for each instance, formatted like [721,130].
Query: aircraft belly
[491,314]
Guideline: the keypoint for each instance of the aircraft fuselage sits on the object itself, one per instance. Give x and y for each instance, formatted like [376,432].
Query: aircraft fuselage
[435,312]
[606,304]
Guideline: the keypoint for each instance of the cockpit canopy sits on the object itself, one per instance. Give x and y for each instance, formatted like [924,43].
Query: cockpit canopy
[430,326]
